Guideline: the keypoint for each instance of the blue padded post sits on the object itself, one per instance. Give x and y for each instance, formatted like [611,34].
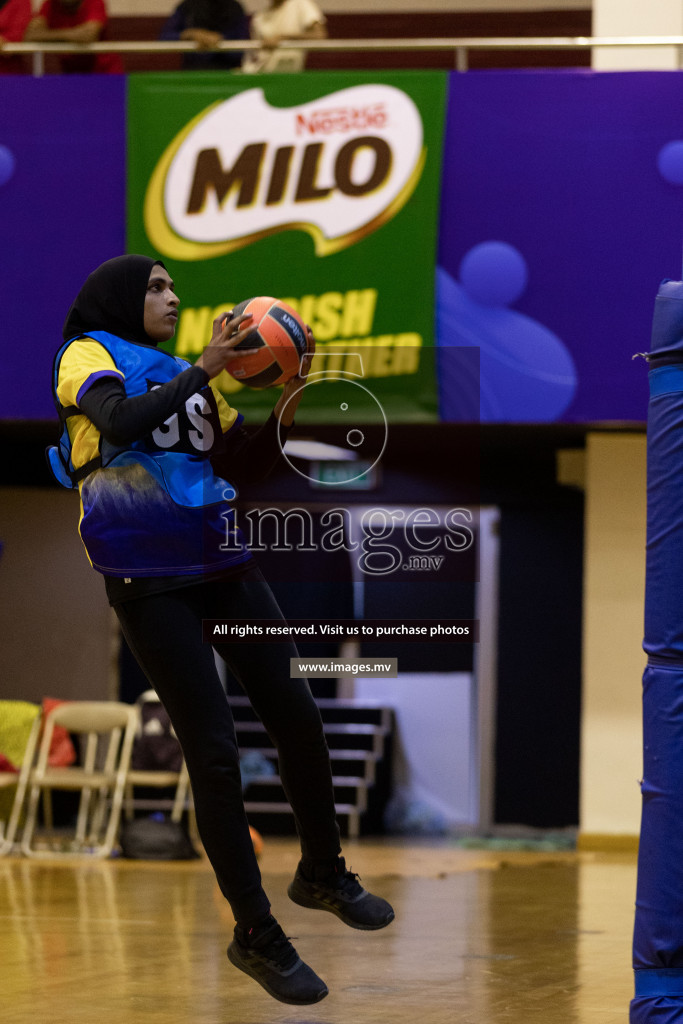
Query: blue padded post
[658,932]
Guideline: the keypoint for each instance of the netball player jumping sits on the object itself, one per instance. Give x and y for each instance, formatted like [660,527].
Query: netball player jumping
[154,449]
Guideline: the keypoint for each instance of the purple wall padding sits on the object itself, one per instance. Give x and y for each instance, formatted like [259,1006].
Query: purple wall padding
[62,147]
[563,168]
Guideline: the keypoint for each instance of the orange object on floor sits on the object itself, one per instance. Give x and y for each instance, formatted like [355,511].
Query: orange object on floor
[257,840]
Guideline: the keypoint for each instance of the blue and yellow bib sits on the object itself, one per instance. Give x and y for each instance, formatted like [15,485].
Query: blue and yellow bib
[154,507]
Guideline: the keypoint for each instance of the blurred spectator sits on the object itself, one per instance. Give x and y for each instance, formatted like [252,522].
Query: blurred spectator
[14,17]
[284,19]
[75,21]
[207,22]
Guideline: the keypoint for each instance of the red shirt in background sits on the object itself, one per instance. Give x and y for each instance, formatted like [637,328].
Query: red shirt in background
[58,17]
[14,19]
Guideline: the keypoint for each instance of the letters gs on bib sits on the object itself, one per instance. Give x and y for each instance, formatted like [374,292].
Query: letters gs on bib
[194,430]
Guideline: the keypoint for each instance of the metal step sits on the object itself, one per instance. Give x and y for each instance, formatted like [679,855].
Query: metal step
[360,736]
[331,710]
[340,759]
[347,789]
[349,811]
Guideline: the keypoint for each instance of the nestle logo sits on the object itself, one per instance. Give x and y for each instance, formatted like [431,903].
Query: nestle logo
[337,168]
[341,119]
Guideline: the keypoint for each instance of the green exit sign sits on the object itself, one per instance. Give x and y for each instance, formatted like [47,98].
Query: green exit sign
[360,475]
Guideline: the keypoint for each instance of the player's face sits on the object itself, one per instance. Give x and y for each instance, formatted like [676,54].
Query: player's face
[161,306]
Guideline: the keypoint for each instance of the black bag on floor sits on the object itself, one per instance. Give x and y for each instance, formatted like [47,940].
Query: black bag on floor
[155,838]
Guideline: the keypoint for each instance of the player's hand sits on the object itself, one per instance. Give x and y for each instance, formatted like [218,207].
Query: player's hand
[306,360]
[293,390]
[228,332]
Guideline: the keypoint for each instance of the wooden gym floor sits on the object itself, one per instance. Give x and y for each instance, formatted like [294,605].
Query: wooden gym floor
[480,937]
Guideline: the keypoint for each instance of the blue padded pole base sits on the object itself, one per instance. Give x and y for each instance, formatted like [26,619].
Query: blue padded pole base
[656,1010]
[665,981]
[658,930]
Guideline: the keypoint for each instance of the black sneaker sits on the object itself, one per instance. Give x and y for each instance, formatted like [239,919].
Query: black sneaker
[340,892]
[266,955]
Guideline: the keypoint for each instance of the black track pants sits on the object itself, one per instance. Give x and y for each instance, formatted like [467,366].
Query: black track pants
[164,632]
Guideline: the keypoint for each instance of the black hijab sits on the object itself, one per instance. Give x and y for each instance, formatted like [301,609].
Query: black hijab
[113,299]
[216,15]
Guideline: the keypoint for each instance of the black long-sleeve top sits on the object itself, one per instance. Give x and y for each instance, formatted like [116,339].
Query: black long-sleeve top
[246,458]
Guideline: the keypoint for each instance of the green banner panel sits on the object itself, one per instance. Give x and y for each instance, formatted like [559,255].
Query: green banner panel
[319,189]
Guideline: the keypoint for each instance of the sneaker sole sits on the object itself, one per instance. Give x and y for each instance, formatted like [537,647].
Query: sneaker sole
[311,904]
[241,966]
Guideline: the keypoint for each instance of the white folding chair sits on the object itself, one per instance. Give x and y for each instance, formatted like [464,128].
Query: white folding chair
[106,730]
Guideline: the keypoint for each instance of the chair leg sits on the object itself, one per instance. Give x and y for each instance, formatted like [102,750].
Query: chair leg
[100,811]
[30,824]
[83,811]
[114,820]
[181,794]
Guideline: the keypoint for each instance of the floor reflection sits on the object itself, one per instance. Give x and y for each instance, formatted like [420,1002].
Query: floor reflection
[513,940]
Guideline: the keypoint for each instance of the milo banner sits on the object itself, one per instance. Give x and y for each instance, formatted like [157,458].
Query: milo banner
[319,189]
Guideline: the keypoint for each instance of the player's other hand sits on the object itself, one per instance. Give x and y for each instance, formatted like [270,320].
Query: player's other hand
[228,332]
